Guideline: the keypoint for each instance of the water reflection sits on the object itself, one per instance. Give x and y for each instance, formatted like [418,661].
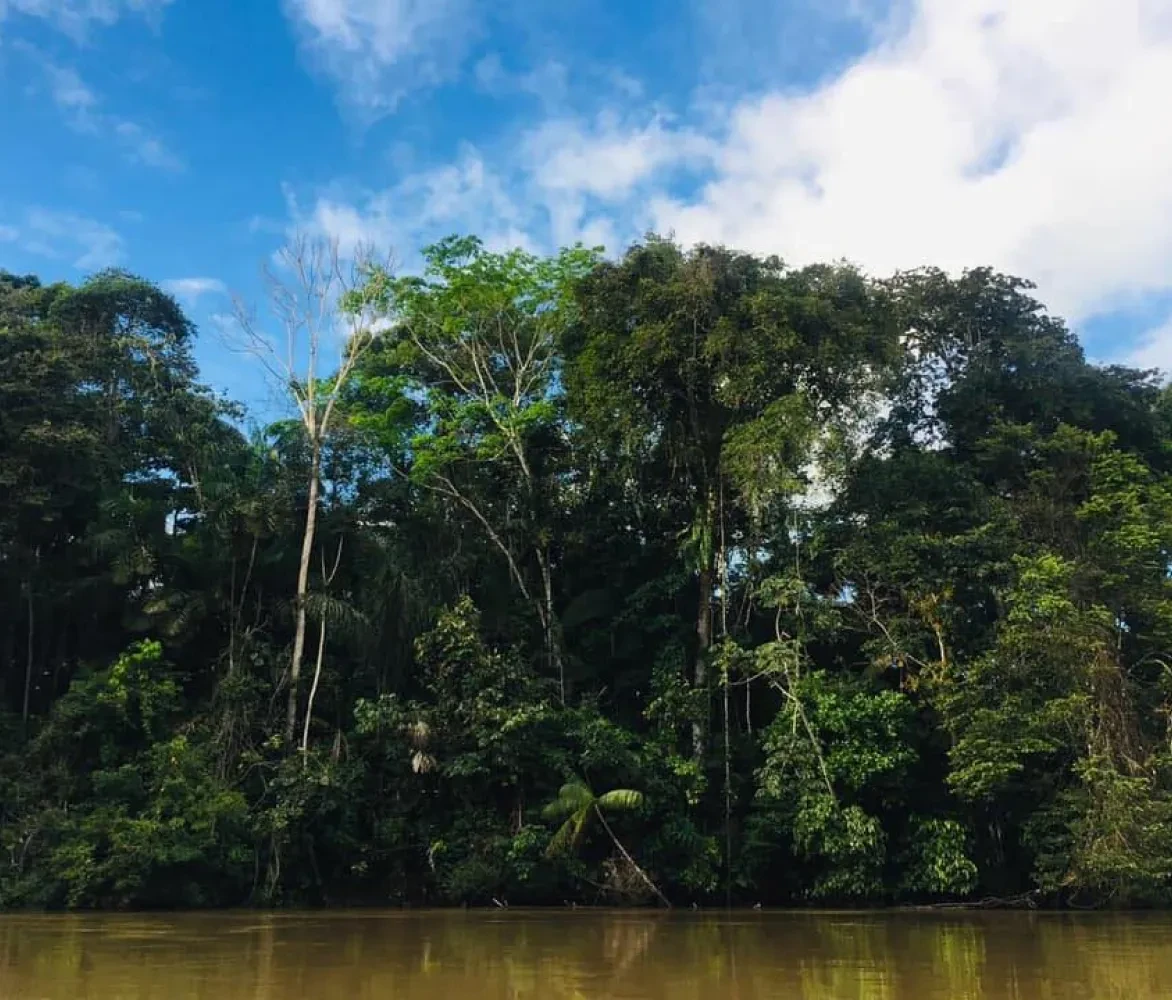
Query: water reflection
[575,955]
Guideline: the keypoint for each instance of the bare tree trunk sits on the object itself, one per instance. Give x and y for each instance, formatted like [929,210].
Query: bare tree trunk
[327,577]
[321,649]
[631,861]
[725,699]
[300,599]
[307,306]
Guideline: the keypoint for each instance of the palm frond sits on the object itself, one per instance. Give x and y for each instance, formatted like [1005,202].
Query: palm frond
[569,834]
[572,796]
[621,800]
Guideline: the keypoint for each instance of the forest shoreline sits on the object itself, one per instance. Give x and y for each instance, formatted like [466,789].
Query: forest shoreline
[684,574]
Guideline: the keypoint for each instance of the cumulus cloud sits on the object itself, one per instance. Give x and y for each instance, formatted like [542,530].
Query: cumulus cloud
[464,196]
[191,290]
[592,177]
[563,182]
[376,51]
[607,157]
[1028,135]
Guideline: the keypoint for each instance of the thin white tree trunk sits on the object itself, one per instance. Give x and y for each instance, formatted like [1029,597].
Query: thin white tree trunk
[307,306]
[631,861]
[321,649]
[300,599]
[327,580]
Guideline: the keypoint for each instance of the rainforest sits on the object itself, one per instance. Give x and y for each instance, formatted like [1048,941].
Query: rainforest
[679,578]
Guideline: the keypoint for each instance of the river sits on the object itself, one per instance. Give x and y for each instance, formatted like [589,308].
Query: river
[586,955]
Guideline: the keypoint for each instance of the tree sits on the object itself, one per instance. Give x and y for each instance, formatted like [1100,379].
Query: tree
[720,367]
[309,304]
[104,438]
[476,337]
[579,807]
[919,543]
[992,539]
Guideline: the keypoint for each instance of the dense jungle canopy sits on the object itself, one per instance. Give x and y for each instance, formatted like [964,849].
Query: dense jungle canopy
[681,576]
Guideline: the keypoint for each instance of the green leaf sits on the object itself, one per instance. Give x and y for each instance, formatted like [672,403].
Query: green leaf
[621,800]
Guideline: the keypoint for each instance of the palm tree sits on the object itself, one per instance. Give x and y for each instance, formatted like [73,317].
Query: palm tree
[578,806]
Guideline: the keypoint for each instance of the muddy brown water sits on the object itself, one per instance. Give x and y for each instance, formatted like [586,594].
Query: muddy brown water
[586,954]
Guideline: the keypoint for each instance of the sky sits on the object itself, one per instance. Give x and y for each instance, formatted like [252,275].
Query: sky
[185,140]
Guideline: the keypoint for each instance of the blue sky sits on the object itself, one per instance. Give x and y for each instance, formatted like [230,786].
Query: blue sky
[185,139]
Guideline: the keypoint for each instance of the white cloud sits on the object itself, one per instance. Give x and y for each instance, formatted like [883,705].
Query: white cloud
[343,223]
[75,17]
[591,178]
[191,290]
[464,196]
[85,242]
[71,94]
[1028,135]
[379,50]
[225,324]
[548,83]
[560,183]
[608,157]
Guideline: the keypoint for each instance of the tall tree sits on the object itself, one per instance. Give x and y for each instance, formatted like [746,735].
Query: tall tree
[316,303]
[476,337]
[104,435]
[917,544]
[720,367]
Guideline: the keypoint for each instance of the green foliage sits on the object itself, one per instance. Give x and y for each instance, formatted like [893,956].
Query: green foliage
[1109,837]
[125,813]
[937,861]
[577,805]
[836,759]
[838,590]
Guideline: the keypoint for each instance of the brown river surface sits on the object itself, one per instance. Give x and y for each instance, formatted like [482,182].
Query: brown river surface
[551,955]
